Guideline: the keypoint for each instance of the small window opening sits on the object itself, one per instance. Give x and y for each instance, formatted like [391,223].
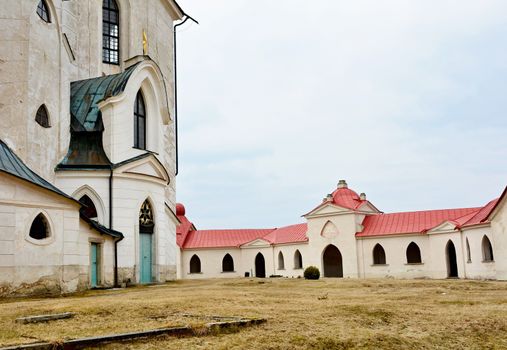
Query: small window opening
[298,260]
[40,228]
[195,264]
[413,254]
[42,117]
[487,250]
[379,255]
[43,11]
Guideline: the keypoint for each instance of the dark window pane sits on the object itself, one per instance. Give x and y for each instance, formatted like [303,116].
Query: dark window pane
[42,117]
[43,11]
[111,33]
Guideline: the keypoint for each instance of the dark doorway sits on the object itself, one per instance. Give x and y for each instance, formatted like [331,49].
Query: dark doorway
[260,266]
[452,265]
[332,260]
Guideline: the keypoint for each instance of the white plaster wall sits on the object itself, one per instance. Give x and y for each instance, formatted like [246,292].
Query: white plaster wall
[499,241]
[60,262]
[248,255]
[211,263]
[396,260]
[477,268]
[344,240]
[288,252]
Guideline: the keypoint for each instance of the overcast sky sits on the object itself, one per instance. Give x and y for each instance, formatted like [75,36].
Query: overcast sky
[278,100]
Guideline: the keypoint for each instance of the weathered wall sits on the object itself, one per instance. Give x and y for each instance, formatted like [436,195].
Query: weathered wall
[57,264]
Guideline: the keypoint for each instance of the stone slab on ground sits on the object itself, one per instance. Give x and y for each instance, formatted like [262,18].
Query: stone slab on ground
[44,318]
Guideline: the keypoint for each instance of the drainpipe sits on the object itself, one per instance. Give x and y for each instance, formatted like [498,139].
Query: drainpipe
[187,17]
[116,284]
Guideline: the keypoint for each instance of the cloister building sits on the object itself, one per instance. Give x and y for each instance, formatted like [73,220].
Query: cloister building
[347,236]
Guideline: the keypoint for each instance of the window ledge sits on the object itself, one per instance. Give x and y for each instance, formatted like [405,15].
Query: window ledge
[379,265]
[469,261]
[298,268]
[194,273]
[228,272]
[488,261]
[281,269]
[421,263]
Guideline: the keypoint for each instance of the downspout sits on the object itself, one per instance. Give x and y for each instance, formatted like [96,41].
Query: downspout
[116,284]
[187,17]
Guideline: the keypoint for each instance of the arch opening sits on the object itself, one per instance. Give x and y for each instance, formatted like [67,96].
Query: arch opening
[146,229]
[42,117]
[260,266]
[281,262]
[40,228]
[195,264]
[332,261]
[227,263]
[43,11]
[298,260]
[140,122]
[452,264]
[487,250]
[469,255]
[88,210]
[413,254]
[379,255]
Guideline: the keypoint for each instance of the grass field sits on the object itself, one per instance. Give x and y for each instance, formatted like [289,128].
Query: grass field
[324,314]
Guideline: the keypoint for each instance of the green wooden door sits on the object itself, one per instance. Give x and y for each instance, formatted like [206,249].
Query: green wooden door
[145,257]
[94,261]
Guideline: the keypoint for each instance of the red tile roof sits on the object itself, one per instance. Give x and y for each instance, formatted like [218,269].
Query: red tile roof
[482,214]
[409,222]
[288,234]
[223,238]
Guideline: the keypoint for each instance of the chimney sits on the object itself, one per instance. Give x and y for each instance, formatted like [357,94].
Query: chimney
[342,184]
[362,196]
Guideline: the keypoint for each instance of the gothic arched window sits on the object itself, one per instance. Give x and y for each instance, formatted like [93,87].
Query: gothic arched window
[379,255]
[43,11]
[139,122]
[40,228]
[281,263]
[110,32]
[89,209]
[298,260]
[146,222]
[42,117]
[487,250]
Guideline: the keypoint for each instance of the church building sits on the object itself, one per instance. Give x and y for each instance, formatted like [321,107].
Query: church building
[347,236]
[87,144]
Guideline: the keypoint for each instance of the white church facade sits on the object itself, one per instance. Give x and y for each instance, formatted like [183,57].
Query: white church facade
[347,236]
[87,147]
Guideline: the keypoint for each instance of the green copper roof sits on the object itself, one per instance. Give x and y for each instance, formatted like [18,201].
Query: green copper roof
[11,164]
[85,96]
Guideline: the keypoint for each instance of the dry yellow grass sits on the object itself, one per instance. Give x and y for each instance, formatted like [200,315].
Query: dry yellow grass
[324,314]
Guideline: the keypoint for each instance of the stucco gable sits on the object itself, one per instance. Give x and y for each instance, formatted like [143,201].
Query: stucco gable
[444,227]
[256,244]
[327,209]
[145,165]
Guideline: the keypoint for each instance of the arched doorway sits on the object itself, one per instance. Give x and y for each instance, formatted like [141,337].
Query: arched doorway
[332,261]
[260,266]
[452,265]
[146,229]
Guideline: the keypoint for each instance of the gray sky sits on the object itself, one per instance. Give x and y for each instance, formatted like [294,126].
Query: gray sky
[406,100]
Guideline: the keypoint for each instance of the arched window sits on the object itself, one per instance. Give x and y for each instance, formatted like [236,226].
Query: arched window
[469,255]
[379,255]
[227,263]
[281,263]
[89,209]
[43,11]
[139,122]
[413,254]
[146,223]
[298,260]
[195,264]
[487,250]
[40,228]
[42,117]
[110,32]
